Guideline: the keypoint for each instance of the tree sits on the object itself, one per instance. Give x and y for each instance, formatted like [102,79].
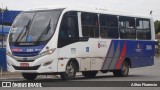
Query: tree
[6,9]
[157,26]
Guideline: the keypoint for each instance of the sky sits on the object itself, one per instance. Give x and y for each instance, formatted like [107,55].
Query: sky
[133,6]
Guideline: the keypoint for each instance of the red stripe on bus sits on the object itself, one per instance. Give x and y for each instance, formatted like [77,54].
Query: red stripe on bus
[121,58]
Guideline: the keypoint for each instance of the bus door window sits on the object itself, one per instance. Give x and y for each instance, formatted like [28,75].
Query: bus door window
[71,27]
[68,32]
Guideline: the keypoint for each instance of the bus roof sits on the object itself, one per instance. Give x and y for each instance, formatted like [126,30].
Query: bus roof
[94,9]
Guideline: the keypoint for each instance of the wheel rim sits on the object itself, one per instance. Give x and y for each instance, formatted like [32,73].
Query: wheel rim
[70,70]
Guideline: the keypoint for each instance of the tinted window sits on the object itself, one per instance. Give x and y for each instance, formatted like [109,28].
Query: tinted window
[127,27]
[68,32]
[34,26]
[108,26]
[143,29]
[69,25]
[44,25]
[19,25]
[90,27]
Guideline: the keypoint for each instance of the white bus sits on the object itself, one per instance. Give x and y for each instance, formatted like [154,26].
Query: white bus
[66,40]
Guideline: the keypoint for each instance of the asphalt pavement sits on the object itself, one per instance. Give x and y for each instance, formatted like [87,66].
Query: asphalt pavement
[150,73]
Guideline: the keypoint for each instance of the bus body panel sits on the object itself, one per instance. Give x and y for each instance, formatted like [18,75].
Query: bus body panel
[109,54]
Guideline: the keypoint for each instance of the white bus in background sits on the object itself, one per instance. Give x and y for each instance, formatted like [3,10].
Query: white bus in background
[67,40]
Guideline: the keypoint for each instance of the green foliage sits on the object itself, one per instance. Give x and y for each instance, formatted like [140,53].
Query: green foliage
[157,26]
[6,9]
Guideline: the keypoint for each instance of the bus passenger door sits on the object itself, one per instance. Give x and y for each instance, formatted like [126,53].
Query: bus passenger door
[68,33]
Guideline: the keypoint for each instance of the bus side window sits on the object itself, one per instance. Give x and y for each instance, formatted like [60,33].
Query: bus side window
[68,32]
[108,26]
[127,27]
[90,25]
[143,29]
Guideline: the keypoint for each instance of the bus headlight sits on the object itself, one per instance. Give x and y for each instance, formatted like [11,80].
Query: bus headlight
[48,52]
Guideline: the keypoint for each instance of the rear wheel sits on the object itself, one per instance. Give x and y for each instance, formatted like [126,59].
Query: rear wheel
[29,76]
[70,72]
[122,72]
[89,74]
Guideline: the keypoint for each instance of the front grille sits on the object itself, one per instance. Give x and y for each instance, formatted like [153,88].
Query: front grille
[25,60]
[25,54]
[26,68]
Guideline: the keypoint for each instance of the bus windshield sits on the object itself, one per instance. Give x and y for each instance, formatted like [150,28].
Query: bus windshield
[34,26]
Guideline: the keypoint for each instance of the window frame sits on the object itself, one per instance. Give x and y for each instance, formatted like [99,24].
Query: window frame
[129,19]
[144,19]
[95,25]
[109,27]
[132,25]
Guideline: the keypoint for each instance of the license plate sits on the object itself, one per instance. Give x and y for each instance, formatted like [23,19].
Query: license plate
[24,65]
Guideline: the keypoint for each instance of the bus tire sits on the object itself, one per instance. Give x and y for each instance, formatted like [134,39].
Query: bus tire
[89,74]
[70,72]
[122,72]
[29,76]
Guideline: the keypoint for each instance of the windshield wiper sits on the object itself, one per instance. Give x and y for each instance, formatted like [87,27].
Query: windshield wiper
[24,31]
[45,31]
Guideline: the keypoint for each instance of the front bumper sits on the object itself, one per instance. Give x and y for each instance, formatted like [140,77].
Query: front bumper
[35,66]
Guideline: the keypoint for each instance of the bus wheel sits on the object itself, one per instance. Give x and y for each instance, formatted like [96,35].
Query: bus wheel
[89,74]
[122,72]
[70,72]
[29,76]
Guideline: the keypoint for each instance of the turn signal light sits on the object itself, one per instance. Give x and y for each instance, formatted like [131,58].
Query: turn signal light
[8,53]
[47,63]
